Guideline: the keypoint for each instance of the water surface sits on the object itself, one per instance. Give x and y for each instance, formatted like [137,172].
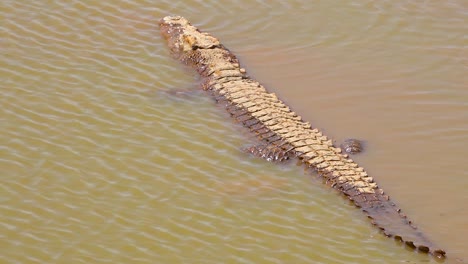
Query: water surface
[101,163]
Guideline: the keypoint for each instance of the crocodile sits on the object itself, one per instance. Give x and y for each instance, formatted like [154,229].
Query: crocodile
[280,128]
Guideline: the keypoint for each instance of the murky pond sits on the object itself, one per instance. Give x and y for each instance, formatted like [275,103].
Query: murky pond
[102,162]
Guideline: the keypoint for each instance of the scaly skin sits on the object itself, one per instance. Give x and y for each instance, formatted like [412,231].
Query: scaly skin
[275,124]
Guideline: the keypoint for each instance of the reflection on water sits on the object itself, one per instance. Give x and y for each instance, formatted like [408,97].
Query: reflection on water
[102,161]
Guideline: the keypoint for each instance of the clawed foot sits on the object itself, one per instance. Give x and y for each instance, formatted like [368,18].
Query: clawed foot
[269,152]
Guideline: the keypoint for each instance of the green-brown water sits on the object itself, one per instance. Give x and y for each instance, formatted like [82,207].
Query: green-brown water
[100,163]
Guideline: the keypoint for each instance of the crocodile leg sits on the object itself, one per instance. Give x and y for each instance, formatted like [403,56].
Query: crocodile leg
[277,126]
[269,152]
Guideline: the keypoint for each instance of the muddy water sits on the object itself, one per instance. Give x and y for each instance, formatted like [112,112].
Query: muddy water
[102,163]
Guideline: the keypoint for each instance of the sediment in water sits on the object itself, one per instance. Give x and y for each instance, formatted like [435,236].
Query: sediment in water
[276,125]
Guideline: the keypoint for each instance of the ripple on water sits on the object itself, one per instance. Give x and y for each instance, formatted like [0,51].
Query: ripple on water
[101,164]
